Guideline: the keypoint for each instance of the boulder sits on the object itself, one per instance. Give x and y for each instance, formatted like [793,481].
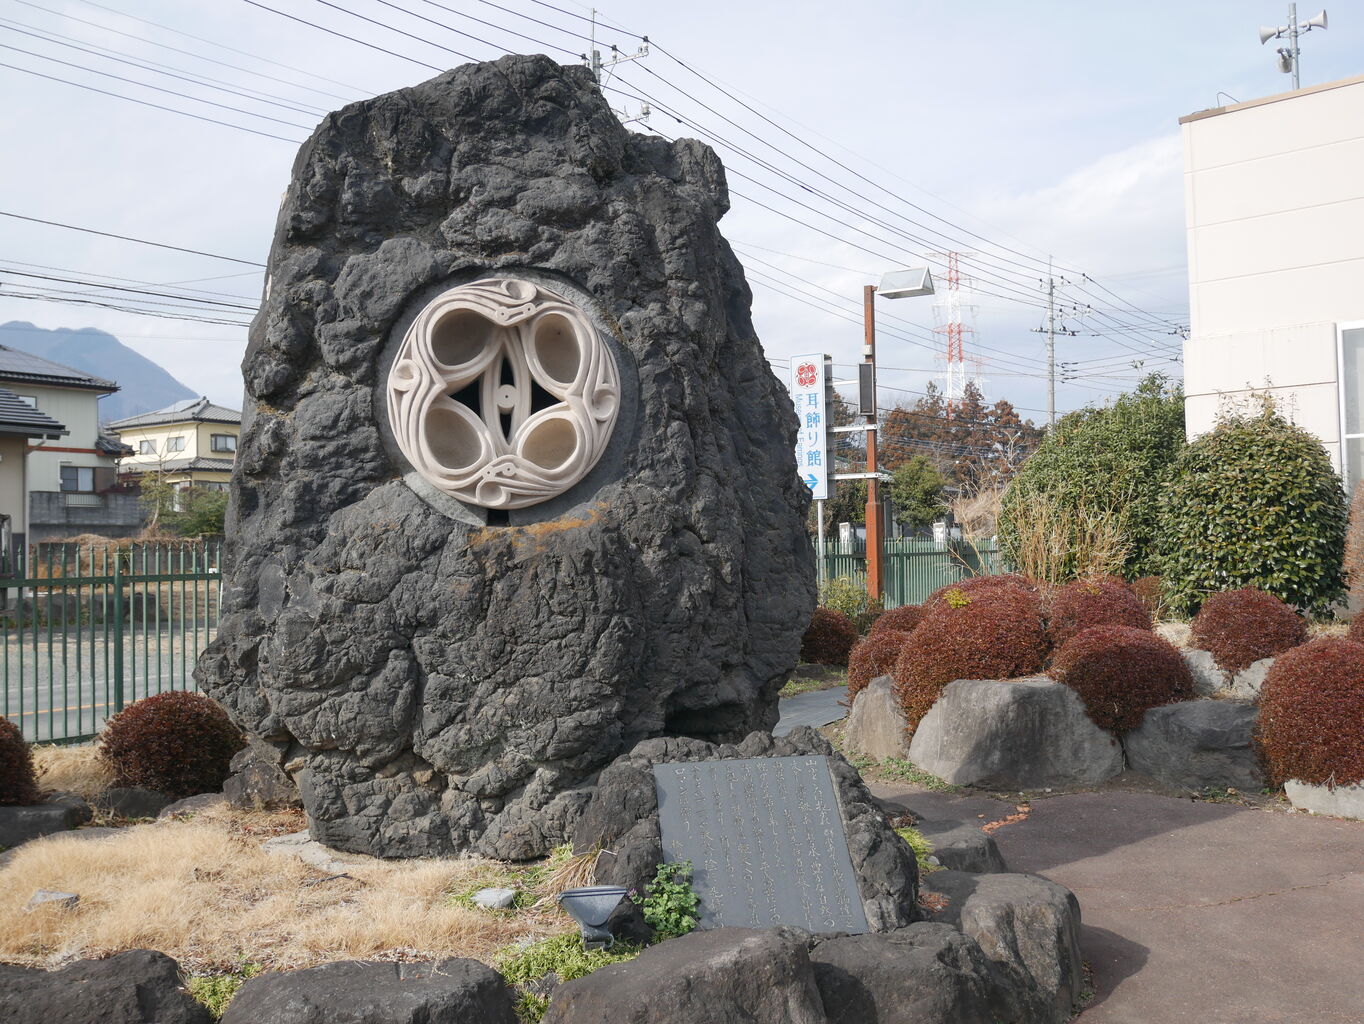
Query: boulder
[1014,734]
[258,780]
[50,899]
[1247,683]
[58,814]
[962,846]
[192,805]
[723,976]
[137,987]
[1030,928]
[132,802]
[1336,801]
[622,817]
[1198,744]
[448,661]
[927,973]
[362,992]
[1208,678]
[876,726]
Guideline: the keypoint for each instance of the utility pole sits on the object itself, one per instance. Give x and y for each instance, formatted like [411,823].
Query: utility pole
[1051,330]
[593,59]
[875,546]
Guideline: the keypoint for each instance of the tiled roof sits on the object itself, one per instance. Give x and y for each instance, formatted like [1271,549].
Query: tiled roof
[192,410]
[110,445]
[180,466]
[30,369]
[18,417]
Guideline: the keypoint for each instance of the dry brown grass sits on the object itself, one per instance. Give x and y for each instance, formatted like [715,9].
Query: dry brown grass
[203,891]
[978,514]
[72,770]
[1059,541]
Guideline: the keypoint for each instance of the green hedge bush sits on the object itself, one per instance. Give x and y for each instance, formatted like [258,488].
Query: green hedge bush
[1112,459]
[1255,502]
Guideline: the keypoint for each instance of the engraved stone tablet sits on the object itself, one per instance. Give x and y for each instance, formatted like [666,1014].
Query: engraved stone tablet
[765,838]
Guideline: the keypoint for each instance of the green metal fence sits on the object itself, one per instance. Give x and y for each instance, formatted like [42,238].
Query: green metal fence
[914,568]
[87,630]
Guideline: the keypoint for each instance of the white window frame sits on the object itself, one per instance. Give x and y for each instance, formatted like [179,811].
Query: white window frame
[171,445]
[146,447]
[1341,328]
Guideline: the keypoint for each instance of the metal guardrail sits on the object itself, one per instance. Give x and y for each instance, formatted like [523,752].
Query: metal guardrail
[87,630]
[914,568]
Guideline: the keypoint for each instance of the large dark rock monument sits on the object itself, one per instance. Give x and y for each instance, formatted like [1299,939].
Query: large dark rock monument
[515,488]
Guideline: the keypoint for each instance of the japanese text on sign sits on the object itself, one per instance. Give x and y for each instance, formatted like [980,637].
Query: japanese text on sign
[807,389]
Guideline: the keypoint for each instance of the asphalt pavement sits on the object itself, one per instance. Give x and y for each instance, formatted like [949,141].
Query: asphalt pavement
[1194,912]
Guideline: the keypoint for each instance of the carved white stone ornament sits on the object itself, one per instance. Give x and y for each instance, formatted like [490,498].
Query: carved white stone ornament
[538,393]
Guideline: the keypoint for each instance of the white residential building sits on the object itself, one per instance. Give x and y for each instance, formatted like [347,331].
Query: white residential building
[1274,201]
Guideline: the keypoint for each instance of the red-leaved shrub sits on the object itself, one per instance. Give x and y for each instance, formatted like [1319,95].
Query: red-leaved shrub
[828,639]
[1150,592]
[1239,627]
[18,783]
[1083,604]
[874,655]
[1356,630]
[995,634]
[1311,724]
[1121,672]
[902,619]
[176,743]
[979,586]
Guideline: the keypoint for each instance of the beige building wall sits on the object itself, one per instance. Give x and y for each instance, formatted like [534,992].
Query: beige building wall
[13,482]
[78,410]
[1274,202]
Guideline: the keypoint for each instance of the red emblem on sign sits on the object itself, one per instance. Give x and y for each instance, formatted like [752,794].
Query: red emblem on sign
[806,375]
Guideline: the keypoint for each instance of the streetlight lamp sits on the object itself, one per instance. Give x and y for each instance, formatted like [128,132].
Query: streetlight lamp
[898,284]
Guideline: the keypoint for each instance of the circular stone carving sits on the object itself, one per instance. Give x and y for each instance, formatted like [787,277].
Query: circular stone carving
[502,393]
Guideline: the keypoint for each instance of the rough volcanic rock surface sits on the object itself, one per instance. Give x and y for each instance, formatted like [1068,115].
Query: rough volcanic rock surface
[724,976]
[440,680]
[622,817]
[136,987]
[1197,744]
[367,992]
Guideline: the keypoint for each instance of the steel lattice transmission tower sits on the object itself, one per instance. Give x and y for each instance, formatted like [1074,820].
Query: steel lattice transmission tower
[954,318]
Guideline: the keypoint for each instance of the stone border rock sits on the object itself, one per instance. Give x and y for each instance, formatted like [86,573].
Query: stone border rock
[622,816]
[876,725]
[1015,734]
[1335,801]
[1197,745]
[59,813]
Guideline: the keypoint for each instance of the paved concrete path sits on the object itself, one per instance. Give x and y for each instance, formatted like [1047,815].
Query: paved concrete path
[1195,912]
[816,708]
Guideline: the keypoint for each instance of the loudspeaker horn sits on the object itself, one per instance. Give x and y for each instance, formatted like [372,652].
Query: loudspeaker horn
[1318,22]
[1266,34]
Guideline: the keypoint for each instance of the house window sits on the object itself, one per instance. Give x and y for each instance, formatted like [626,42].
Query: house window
[175,444]
[78,478]
[146,447]
[1351,341]
[224,442]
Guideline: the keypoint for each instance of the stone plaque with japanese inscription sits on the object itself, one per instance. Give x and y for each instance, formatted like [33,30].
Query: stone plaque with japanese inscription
[765,838]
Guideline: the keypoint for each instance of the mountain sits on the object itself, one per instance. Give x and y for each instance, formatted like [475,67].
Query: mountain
[143,385]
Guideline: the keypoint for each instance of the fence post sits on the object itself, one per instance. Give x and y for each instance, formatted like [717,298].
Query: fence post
[118,632]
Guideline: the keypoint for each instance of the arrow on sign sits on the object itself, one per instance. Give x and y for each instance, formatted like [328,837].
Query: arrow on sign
[811,481]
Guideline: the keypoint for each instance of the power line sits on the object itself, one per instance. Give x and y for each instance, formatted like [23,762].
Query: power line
[129,238]
[158,88]
[176,49]
[342,35]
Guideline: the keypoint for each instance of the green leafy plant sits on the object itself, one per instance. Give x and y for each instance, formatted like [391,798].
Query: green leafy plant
[922,848]
[1088,500]
[1255,502]
[844,594]
[916,489]
[561,955]
[670,903]
[215,991]
[530,1008]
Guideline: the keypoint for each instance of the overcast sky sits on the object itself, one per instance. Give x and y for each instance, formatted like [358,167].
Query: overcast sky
[1008,132]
